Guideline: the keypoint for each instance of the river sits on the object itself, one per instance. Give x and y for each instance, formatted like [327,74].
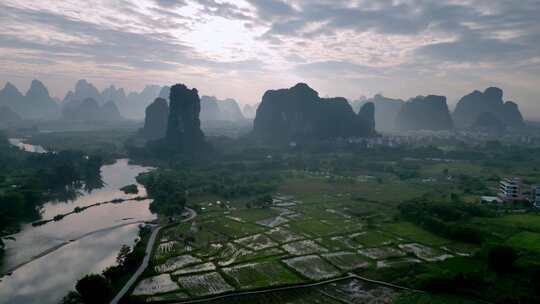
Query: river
[49,259]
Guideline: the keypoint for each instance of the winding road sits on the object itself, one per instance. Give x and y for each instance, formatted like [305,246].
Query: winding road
[146,260]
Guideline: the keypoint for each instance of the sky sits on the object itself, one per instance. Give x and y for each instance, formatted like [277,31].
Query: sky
[241,48]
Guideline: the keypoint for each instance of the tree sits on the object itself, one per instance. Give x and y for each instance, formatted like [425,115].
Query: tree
[123,255]
[94,288]
[263,201]
[502,258]
[72,297]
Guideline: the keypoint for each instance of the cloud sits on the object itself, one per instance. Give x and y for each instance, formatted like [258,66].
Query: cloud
[448,47]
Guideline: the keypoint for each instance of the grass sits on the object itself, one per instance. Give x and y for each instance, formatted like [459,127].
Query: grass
[412,232]
[373,239]
[521,221]
[254,214]
[528,241]
[425,298]
[346,260]
[314,227]
[231,228]
[257,275]
[455,168]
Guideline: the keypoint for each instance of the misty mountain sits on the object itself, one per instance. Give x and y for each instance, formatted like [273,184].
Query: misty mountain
[487,122]
[386,110]
[113,94]
[90,110]
[213,109]
[83,90]
[137,102]
[424,113]
[184,132]
[299,114]
[36,104]
[250,111]
[165,92]
[130,105]
[155,121]
[367,116]
[8,117]
[491,101]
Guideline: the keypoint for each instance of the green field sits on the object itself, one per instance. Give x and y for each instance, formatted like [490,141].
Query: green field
[414,233]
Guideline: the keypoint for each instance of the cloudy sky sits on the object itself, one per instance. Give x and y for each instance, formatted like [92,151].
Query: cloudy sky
[240,48]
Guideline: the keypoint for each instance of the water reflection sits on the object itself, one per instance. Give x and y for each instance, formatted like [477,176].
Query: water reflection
[49,277]
[48,281]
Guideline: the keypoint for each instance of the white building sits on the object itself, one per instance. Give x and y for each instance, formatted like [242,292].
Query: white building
[535,196]
[510,189]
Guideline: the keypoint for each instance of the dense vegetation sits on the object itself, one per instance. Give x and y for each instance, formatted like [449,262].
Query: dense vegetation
[448,219]
[171,188]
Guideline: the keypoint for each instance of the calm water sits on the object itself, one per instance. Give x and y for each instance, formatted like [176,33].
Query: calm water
[89,240]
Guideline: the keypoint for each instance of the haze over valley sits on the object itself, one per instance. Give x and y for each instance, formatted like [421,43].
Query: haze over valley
[269,151]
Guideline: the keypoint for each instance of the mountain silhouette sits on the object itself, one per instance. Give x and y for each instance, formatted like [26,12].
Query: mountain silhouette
[424,113]
[299,114]
[491,101]
[36,104]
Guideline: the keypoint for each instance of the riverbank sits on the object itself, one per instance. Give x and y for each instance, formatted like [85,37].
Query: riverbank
[80,236]
[150,246]
[51,250]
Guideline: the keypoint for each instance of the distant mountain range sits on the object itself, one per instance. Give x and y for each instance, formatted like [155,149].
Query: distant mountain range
[475,111]
[8,117]
[90,110]
[38,104]
[213,109]
[386,110]
[85,102]
[250,110]
[35,104]
[130,106]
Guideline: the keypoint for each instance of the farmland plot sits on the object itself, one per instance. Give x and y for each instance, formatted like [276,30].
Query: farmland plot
[196,268]
[372,239]
[273,221]
[205,284]
[304,247]
[425,253]
[178,262]
[284,211]
[397,262]
[345,260]
[312,267]
[210,250]
[343,241]
[255,275]
[283,235]
[256,242]
[254,255]
[381,253]
[230,253]
[166,297]
[167,248]
[154,285]
[356,291]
